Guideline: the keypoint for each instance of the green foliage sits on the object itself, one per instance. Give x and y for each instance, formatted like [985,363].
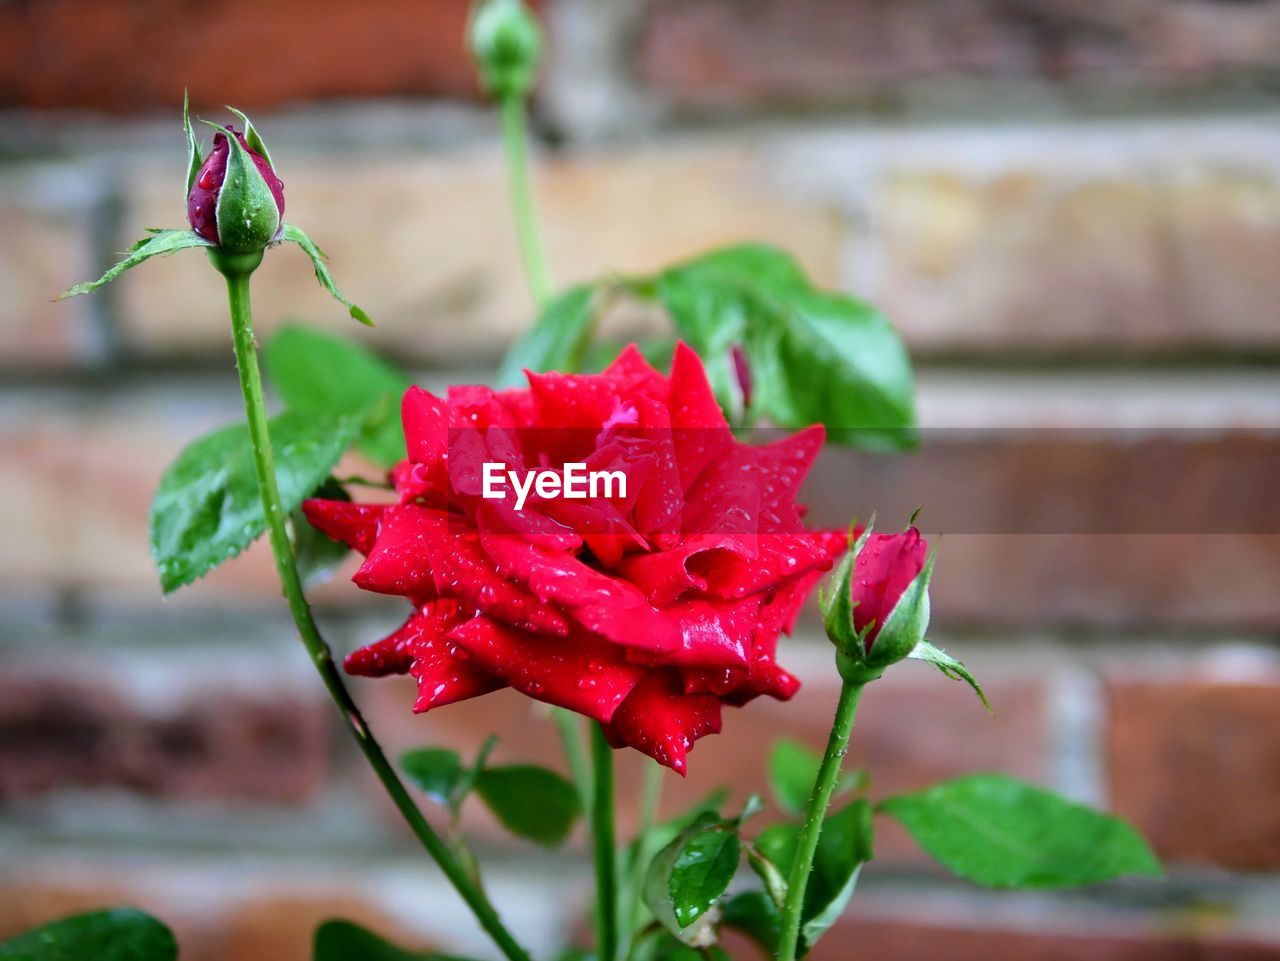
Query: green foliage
[295,235]
[437,771]
[557,340]
[1003,833]
[531,802]
[326,374]
[122,934]
[814,357]
[208,509]
[660,945]
[160,242]
[844,845]
[346,941]
[692,873]
[793,769]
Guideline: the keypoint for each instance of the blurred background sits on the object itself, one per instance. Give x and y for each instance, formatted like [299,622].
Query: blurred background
[1071,210]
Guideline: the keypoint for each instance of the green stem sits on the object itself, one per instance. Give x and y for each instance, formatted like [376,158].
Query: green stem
[321,657]
[807,844]
[575,751]
[650,799]
[605,852]
[516,143]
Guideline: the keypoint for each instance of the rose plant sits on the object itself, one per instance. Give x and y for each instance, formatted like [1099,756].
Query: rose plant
[638,612]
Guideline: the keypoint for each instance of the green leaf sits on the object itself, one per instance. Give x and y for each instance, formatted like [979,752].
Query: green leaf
[316,554]
[437,771]
[194,160]
[557,340]
[815,357]
[207,508]
[755,915]
[950,667]
[294,234]
[793,769]
[692,873]
[122,934]
[328,374]
[345,941]
[530,801]
[160,242]
[844,845]
[1003,833]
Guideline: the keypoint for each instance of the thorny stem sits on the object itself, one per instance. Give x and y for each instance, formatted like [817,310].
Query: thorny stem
[317,648]
[807,844]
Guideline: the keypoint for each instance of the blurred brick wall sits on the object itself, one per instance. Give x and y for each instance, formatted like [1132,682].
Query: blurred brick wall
[1071,210]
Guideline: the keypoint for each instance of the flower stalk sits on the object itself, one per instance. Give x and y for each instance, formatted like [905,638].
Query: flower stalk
[237,271]
[515,143]
[602,834]
[807,845]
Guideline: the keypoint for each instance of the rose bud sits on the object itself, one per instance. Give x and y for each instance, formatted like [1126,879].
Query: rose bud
[235,200]
[878,610]
[507,44]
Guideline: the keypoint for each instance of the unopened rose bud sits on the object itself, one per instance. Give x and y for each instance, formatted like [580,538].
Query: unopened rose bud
[236,201]
[507,43]
[878,610]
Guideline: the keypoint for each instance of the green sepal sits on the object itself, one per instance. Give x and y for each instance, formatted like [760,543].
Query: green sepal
[836,602]
[194,160]
[160,242]
[294,234]
[950,667]
[247,216]
[252,137]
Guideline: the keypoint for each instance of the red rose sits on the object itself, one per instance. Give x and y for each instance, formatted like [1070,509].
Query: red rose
[645,610]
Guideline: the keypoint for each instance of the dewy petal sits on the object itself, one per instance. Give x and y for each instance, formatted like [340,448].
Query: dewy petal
[355,525]
[426,426]
[634,374]
[660,720]
[422,553]
[576,672]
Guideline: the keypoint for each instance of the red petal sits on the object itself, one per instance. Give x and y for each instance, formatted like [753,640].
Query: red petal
[355,525]
[422,552]
[574,672]
[883,569]
[426,425]
[660,720]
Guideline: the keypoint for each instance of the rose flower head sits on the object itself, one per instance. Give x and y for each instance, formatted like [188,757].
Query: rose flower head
[235,200]
[877,610]
[646,604]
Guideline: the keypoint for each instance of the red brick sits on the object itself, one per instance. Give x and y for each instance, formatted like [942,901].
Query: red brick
[1059,937]
[713,52]
[58,733]
[139,54]
[1195,763]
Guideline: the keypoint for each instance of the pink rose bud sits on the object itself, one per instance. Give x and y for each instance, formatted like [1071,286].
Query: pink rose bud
[236,201]
[878,610]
